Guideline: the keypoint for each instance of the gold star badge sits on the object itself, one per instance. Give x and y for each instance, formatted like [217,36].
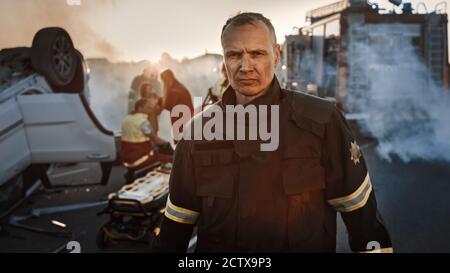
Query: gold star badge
[355,152]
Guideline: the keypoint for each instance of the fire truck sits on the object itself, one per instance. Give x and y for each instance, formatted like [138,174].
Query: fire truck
[345,47]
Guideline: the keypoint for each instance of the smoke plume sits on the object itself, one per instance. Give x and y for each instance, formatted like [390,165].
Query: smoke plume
[407,112]
[110,83]
[20,20]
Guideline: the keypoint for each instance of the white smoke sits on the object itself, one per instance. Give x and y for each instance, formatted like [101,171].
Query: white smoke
[20,20]
[110,84]
[197,74]
[406,111]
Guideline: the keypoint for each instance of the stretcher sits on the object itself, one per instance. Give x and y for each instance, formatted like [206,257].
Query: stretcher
[136,210]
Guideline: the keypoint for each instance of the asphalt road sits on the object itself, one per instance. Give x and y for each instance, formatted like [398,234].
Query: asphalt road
[413,199]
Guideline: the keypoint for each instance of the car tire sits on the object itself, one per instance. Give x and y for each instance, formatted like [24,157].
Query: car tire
[102,239]
[53,55]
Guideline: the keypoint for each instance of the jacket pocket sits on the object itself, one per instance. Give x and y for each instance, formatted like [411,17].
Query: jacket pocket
[220,184]
[304,184]
[302,175]
[213,158]
[215,173]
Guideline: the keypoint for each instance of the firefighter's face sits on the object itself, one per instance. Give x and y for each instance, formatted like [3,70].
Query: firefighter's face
[251,56]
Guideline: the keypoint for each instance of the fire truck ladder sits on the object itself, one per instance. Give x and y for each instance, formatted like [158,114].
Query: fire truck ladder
[435,50]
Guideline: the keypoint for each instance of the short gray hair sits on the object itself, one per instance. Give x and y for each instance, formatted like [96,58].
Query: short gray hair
[245,18]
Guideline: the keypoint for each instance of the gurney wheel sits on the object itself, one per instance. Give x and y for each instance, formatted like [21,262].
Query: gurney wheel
[102,239]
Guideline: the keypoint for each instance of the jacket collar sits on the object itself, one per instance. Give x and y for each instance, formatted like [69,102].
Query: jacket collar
[271,97]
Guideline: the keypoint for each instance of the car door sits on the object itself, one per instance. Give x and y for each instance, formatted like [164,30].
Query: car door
[61,127]
[15,154]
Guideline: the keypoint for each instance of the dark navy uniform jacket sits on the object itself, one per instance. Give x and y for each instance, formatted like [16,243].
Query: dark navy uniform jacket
[243,199]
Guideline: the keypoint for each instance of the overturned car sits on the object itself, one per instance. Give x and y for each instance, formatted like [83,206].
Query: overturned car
[46,117]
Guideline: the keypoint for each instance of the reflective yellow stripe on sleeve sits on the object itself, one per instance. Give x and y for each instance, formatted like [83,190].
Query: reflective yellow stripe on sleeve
[354,201]
[180,215]
[137,162]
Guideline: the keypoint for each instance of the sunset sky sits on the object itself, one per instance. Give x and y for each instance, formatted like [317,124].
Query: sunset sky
[143,29]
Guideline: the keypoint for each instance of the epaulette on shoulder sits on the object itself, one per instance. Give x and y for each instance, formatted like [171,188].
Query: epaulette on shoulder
[309,112]
[311,107]
[201,117]
[205,113]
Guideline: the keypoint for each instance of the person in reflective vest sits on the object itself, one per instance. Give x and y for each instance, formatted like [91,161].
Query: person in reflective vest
[139,143]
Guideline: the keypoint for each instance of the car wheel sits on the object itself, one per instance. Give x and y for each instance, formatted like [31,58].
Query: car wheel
[102,239]
[53,55]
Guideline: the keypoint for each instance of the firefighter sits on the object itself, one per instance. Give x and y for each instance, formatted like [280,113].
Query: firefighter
[243,199]
[223,83]
[216,92]
[148,77]
[174,92]
[148,91]
[140,146]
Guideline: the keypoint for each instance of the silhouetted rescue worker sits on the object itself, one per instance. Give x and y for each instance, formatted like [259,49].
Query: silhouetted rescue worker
[148,92]
[174,93]
[148,77]
[223,83]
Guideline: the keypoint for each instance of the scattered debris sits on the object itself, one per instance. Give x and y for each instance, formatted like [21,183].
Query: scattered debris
[59,224]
